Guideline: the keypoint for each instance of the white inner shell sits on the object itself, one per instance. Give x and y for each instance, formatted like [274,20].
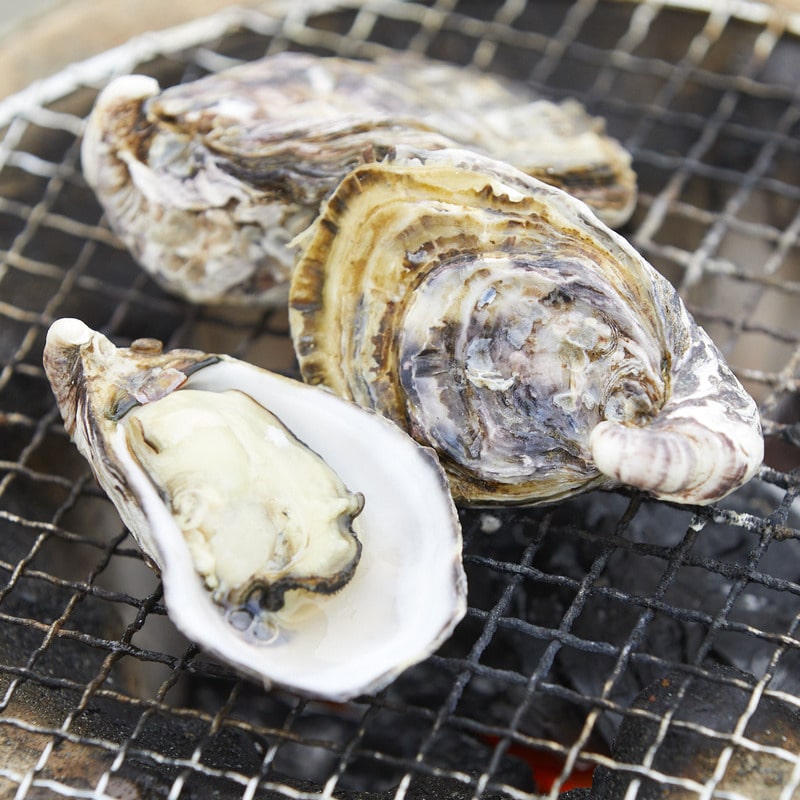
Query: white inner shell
[408,591]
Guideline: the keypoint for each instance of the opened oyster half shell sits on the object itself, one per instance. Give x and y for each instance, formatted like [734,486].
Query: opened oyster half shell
[312,545]
[208,182]
[499,321]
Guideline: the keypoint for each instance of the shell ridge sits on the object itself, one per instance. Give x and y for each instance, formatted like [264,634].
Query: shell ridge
[237,163]
[591,357]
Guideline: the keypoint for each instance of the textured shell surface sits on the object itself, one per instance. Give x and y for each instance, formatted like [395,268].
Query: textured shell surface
[303,540]
[499,321]
[208,182]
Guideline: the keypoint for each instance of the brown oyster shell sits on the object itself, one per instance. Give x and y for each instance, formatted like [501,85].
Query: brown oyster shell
[208,182]
[497,320]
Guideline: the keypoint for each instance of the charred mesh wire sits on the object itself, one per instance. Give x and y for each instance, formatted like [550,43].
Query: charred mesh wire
[654,645]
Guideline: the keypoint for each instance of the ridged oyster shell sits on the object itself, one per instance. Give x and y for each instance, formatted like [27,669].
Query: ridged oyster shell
[327,562]
[497,320]
[208,182]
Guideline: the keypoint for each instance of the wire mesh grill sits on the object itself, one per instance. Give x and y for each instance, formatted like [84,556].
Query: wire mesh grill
[654,645]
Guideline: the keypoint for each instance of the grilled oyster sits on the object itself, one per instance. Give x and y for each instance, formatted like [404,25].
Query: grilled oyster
[268,559]
[497,320]
[208,182]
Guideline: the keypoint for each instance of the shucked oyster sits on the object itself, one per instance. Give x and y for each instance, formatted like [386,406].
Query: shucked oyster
[313,545]
[229,466]
[208,182]
[499,321]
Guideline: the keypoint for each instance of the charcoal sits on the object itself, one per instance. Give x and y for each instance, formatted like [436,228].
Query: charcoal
[712,701]
[584,530]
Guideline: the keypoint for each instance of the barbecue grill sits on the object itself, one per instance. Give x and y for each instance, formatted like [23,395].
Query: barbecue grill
[652,647]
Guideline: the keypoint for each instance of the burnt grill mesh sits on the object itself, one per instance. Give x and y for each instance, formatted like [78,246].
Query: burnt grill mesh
[574,609]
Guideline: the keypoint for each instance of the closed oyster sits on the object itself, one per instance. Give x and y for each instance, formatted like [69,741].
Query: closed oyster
[497,320]
[313,545]
[208,182]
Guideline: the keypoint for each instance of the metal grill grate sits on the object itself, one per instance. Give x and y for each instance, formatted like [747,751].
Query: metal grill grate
[575,609]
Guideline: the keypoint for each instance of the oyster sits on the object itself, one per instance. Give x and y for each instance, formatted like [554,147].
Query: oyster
[313,545]
[496,319]
[208,182]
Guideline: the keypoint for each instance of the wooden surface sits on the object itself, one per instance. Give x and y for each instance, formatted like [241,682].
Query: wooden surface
[73,30]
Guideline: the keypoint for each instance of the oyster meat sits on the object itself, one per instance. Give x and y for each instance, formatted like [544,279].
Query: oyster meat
[249,485]
[496,319]
[208,182]
[303,540]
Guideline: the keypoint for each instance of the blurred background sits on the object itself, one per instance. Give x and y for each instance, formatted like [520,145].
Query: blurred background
[39,37]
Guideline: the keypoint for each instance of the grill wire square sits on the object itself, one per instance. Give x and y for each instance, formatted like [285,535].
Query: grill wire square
[650,647]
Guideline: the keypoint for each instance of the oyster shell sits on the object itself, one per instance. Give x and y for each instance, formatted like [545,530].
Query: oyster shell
[313,546]
[497,320]
[208,182]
